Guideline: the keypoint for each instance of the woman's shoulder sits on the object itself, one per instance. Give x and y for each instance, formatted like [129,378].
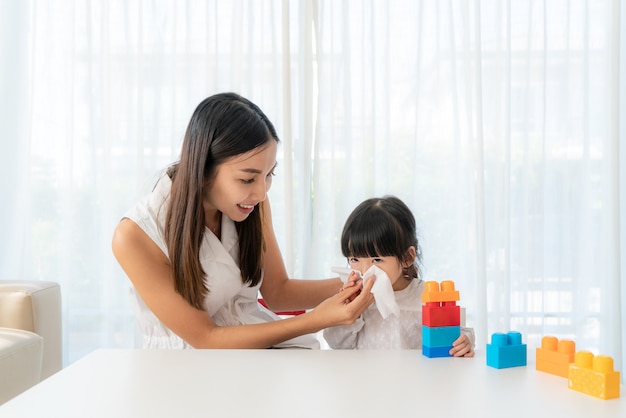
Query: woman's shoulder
[127,235]
[147,216]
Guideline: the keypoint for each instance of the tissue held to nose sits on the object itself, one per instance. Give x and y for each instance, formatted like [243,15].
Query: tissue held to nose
[382,289]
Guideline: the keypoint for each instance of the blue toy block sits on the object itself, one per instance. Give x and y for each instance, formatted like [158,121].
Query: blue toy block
[433,352]
[506,350]
[440,336]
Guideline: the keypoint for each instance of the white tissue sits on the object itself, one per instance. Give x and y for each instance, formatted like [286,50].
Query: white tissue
[343,272]
[382,289]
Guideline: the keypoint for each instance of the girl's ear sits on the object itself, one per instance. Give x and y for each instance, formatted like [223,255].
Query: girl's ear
[409,256]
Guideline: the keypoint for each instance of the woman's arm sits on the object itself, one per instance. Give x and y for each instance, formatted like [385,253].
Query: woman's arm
[149,271]
[279,291]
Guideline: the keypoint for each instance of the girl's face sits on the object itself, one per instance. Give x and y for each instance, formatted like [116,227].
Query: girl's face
[241,182]
[390,265]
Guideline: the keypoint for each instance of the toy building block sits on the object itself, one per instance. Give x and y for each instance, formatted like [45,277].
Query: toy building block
[433,352]
[446,314]
[594,375]
[440,336]
[441,318]
[554,356]
[433,292]
[506,350]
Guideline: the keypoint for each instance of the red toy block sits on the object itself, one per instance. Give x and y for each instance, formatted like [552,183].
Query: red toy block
[434,293]
[594,376]
[555,356]
[435,315]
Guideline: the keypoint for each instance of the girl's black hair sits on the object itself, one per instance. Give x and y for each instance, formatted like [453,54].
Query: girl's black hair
[382,227]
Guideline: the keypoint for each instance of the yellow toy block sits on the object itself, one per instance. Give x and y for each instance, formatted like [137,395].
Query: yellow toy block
[555,356]
[594,375]
[433,293]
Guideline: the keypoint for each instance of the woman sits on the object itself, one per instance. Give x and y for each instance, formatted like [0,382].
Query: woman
[200,247]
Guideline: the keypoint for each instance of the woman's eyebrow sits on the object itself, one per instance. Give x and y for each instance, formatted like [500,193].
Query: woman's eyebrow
[255,170]
[250,170]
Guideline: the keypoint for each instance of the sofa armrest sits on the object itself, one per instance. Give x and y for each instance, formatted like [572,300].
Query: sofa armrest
[35,306]
[21,355]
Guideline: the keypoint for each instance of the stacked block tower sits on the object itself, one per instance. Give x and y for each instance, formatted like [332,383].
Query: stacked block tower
[441,318]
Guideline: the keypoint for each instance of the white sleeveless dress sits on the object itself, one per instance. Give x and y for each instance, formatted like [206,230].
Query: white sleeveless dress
[229,302]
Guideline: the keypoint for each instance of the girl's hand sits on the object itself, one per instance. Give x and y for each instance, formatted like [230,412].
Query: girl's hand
[462,347]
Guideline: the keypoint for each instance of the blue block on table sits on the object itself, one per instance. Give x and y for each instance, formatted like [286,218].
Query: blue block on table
[433,352]
[506,350]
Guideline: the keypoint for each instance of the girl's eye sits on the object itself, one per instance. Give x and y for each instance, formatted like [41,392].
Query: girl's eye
[378,260]
[353,260]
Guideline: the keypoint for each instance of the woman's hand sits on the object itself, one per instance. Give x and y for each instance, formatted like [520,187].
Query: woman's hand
[354,280]
[348,304]
[462,347]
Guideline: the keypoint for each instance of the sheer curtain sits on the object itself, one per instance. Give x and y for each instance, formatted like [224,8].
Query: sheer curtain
[499,123]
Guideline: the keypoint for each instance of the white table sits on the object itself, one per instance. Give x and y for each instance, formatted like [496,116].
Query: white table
[300,383]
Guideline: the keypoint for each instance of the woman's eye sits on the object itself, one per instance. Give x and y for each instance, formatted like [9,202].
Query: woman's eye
[247,181]
[271,173]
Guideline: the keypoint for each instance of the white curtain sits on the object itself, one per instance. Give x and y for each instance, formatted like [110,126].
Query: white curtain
[500,123]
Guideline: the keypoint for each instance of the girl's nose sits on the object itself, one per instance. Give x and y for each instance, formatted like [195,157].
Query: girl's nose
[361,267]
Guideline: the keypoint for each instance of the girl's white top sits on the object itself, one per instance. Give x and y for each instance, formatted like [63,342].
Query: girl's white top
[229,302]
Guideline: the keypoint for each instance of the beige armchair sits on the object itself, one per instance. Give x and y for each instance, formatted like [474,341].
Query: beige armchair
[30,334]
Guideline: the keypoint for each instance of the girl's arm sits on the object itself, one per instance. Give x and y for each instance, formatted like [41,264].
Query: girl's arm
[344,337]
[149,271]
[279,291]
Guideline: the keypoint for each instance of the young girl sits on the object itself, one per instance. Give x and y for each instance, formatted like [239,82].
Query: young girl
[200,247]
[381,232]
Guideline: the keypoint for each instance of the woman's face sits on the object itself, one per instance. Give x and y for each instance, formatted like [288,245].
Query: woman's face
[241,182]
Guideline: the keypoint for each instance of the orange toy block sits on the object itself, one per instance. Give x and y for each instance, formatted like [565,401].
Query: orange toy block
[594,375]
[555,356]
[434,293]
